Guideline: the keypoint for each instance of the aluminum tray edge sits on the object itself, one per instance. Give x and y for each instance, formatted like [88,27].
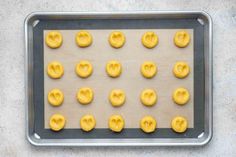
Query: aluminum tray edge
[203,140]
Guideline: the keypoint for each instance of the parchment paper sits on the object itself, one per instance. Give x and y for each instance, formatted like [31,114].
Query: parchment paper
[131,55]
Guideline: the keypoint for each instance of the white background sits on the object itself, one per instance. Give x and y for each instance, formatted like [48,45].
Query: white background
[12,100]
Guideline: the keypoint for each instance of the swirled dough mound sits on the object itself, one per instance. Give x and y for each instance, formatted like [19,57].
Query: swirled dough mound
[148,124]
[179,124]
[148,69]
[117,97]
[57,122]
[117,39]
[116,123]
[181,69]
[84,69]
[87,122]
[85,95]
[55,70]
[150,39]
[83,39]
[148,97]
[55,97]
[54,39]
[181,39]
[181,96]
[113,68]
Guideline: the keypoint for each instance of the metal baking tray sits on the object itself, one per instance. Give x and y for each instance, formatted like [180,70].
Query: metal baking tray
[36,23]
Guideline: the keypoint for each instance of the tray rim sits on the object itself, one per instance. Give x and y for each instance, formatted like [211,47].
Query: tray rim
[202,140]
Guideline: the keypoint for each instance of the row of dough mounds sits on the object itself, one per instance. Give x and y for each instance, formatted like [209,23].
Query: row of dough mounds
[116,123]
[54,39]
[84,69]
[117,97]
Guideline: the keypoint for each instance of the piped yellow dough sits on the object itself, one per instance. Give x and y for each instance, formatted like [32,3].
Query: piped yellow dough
[87,122]
[117,97]
[57,122]
[181,39]
[55,70]
[113,68]
[181,69]
[55,97]
[179,124]
[148,124]
[148,69]
[83,39]
[116,123]
[117,39]
[181,96]
[84,69]
[148,97]
[54,39]
[150,39]
[85,95]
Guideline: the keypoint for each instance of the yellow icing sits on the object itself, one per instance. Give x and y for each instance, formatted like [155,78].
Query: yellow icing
[148,124]
[117,97]
[83,39]
[55,70]
[179,124]
[116,123]
[181,69]
[150,39]
[87,122]
[84,69]
[57,122]
[117,39]
[113,68]
[54,39]
[148,97]
[181,39]
[55,97]
[85,95]
[181,96]
[148,69]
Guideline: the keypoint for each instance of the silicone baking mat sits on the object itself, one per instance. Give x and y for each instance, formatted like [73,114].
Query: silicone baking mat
[131,56]
[131,81]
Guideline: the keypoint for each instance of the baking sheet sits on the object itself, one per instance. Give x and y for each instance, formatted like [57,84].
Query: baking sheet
[131,55]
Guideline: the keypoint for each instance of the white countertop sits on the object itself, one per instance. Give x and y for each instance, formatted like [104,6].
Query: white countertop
[12,100]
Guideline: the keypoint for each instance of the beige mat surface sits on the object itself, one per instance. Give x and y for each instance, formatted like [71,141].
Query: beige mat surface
[131,55]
